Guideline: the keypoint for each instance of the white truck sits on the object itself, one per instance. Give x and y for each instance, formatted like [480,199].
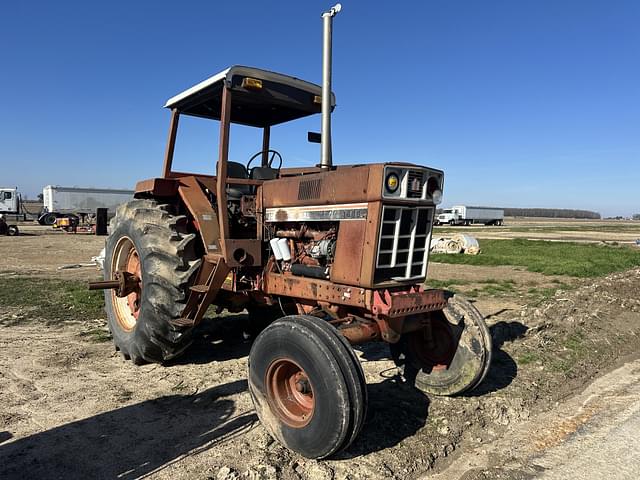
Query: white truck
[464,215]
[65,201]
[9,200]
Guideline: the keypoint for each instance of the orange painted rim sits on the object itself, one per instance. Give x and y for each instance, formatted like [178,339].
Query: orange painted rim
[126,258]
[437,352]
[290,393]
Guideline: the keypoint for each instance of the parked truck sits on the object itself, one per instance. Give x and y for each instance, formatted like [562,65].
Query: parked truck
[9,200]
[65,201]
[463,215]
[9,204]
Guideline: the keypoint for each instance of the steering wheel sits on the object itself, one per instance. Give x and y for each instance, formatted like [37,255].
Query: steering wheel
[274,153]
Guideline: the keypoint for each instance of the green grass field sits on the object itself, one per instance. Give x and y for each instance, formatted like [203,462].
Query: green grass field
[625,228]
[550,258]
[51,300]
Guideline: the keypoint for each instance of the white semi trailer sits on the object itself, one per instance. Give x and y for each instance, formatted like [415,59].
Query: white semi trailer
[463,215]
[62,201]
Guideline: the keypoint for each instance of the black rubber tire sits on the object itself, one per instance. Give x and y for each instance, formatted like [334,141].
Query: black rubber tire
[452,223]
[49,219]
[352,369]
[13,231]
[471,360]
[168,266]
[335,375]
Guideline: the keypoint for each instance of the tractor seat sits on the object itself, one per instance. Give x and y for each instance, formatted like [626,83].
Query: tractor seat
[237,170]
[264,173]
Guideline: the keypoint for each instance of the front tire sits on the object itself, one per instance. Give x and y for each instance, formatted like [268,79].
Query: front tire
[450,359]
[307,386]
[150,242]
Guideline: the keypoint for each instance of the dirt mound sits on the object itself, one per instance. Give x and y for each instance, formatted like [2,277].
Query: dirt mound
[581,333]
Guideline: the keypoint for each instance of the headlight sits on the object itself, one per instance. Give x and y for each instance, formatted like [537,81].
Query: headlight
[433,190]
[436,196]
[392,182]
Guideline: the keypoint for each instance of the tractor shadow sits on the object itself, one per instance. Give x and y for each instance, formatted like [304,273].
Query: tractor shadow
[395,412]
[398,411]
[4,436]
[503,368]
[132,441]
[217,339]
[373,351]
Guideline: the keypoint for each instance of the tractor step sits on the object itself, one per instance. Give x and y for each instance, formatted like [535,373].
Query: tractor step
[210,280]
[183,322]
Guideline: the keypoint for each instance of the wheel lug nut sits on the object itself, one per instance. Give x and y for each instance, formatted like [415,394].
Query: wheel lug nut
[302,386]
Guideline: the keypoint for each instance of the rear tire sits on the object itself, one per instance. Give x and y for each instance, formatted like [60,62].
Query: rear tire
[328,411]
[152,242]
[459,356]
[13,231]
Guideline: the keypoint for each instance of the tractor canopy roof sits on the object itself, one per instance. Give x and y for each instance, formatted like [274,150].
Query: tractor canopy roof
[259,98]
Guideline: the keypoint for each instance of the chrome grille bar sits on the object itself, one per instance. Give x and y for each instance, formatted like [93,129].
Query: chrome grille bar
[404,242]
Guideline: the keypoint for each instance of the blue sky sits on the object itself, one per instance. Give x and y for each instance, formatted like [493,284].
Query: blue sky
[522,103]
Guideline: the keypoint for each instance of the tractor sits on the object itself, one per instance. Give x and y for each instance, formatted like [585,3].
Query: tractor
[321,257]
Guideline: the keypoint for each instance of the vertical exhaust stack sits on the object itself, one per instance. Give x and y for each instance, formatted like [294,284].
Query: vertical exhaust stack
[326,160]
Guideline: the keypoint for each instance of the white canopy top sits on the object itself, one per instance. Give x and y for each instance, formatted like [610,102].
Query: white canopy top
[229,73]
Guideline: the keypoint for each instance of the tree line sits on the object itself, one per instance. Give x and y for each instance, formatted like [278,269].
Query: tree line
[551,213]
[545,212]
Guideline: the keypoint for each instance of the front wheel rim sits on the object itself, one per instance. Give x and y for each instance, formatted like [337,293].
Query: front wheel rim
[290,392]
[435,349]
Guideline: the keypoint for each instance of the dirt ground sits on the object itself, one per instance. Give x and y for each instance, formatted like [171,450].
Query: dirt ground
[72,408]
[592,435]
[42,251]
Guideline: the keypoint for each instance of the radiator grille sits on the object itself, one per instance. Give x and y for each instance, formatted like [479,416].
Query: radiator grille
[403,244]
[414,183]
[309,189]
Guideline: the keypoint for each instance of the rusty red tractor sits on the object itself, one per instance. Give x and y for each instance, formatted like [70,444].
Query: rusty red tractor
[322,258]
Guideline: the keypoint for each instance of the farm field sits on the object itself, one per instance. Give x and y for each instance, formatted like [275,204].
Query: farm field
[560,316]
[609,231]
